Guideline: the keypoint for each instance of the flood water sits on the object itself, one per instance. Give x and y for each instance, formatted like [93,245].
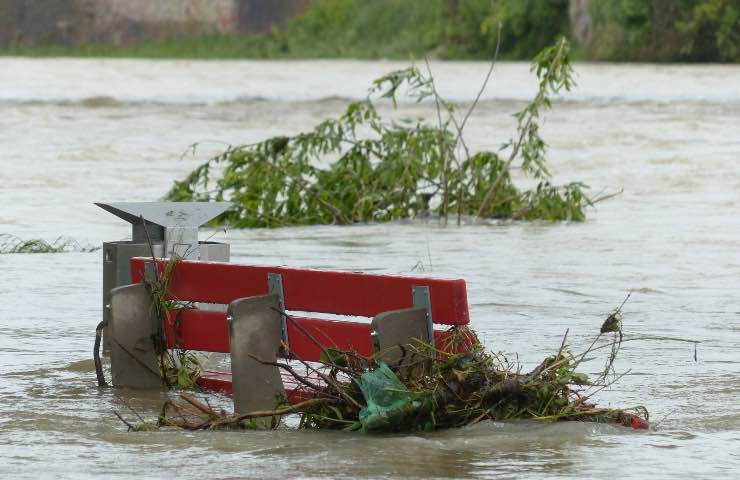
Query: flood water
[73,132]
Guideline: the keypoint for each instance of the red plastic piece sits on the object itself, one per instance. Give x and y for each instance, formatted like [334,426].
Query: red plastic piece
[639,423]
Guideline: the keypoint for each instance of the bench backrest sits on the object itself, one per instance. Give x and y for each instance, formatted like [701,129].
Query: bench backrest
[304,290]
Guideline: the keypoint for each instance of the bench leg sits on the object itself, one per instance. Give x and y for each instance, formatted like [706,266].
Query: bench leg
[396,329]
[255,330]
[132,328]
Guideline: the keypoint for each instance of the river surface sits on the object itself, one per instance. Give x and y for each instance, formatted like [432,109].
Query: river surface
[73,132]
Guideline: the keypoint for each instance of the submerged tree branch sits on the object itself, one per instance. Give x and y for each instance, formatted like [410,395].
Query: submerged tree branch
[362,167]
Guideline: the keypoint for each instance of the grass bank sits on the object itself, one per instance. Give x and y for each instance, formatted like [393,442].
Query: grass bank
[616,30]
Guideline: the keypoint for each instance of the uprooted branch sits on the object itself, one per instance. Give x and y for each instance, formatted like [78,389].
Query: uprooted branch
[383,169]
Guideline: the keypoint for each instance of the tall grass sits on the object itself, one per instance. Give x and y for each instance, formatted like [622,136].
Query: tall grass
[12,244]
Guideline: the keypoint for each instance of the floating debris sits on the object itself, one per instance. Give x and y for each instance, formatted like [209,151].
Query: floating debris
[429,388]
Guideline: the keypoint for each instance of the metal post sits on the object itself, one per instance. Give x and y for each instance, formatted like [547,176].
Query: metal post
[254,337]
[132,329]
[423,299]
[393,332]
[275,286]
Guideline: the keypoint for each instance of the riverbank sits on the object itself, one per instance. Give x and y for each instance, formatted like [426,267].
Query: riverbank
[601,30]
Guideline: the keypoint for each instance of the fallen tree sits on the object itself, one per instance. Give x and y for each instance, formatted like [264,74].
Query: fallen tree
[394,169]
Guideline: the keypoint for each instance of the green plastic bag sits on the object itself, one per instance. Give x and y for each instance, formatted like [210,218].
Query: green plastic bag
[388,400]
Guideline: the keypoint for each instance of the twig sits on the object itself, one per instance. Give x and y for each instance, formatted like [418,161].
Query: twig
[290,370]
[485,82]
[597,199]
[442,150]
[621,305]
[199,405]
[333,383]
[128,405]
[313,339]
[655,425]
[479,418]
[137,360]
[490,194]
[606,385]
[562,344]
[282,411]
[130,427]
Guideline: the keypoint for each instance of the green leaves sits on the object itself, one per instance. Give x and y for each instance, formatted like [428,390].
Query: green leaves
[712,30]
[383,170]
[579,379]
[668,31]
[334,357]
[554,72]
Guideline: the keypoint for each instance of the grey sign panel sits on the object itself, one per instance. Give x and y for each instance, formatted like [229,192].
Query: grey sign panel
[176,223]
[167,214]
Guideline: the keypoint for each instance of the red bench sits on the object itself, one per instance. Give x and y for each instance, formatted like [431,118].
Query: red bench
[303,290]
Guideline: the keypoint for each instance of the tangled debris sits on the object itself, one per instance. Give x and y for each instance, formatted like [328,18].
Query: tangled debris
[430,388]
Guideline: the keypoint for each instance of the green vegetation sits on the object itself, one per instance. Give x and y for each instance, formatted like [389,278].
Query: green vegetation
[393,169]
[403,28]
[634,30]
[178,368]
[225,46]
[666,30]
[528,26]
[367,29]
[12,244]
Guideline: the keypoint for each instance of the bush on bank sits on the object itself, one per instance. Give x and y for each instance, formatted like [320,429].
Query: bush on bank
[619,30]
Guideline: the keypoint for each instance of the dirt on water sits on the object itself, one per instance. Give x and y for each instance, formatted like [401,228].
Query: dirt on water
[74,132]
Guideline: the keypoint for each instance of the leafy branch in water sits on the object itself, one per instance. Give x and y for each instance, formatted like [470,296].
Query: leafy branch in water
[393,169]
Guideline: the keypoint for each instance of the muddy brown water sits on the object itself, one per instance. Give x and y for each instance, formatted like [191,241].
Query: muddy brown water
[77,131]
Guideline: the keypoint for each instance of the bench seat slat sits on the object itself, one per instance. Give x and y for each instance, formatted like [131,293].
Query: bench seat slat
[208,331]
[342,293]
[219,381]
[330,334]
